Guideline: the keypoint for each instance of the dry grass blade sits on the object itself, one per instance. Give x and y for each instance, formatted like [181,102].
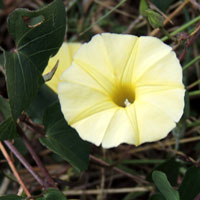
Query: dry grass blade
[14,170]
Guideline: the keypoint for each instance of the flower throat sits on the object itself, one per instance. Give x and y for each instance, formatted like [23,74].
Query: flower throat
[123,95]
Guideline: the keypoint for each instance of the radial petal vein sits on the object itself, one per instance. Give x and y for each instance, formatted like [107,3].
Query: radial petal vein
[99,78]
[150,66]
[99,107]
[131,114]
[88,86]
[128,68]
[109,124]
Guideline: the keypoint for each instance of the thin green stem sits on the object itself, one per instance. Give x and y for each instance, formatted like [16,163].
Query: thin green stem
[191,63]
[104,16]
[197,123]
[165,32]
[193,84]
[194,93]
[182,28]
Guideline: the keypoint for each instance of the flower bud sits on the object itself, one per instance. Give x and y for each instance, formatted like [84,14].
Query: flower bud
[155,19]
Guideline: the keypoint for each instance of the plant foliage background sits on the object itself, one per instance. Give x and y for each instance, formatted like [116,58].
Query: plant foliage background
[41,156]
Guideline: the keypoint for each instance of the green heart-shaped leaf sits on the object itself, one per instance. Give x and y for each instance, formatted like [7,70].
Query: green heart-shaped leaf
[161,182]
[64,140]
[191,183]
[38,35]
[7,127]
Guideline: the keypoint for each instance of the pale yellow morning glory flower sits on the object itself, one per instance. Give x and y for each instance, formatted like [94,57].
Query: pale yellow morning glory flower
[122,89]
[64,56]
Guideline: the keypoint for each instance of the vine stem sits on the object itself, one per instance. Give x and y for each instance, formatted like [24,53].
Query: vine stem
[24,162]
[14,170]
[191,63]
[193,84]
[36,157]
[105,164]
[182,28]
[194,93]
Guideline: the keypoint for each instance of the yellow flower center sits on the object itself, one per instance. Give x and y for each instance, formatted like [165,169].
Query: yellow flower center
[123,95]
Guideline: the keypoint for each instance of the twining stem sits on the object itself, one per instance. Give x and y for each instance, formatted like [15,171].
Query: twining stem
[24,162]
[36,157]
[105,164]
[37,127]
[191,63]
[165,32]
[193,84]
[182,28]
[14,170]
